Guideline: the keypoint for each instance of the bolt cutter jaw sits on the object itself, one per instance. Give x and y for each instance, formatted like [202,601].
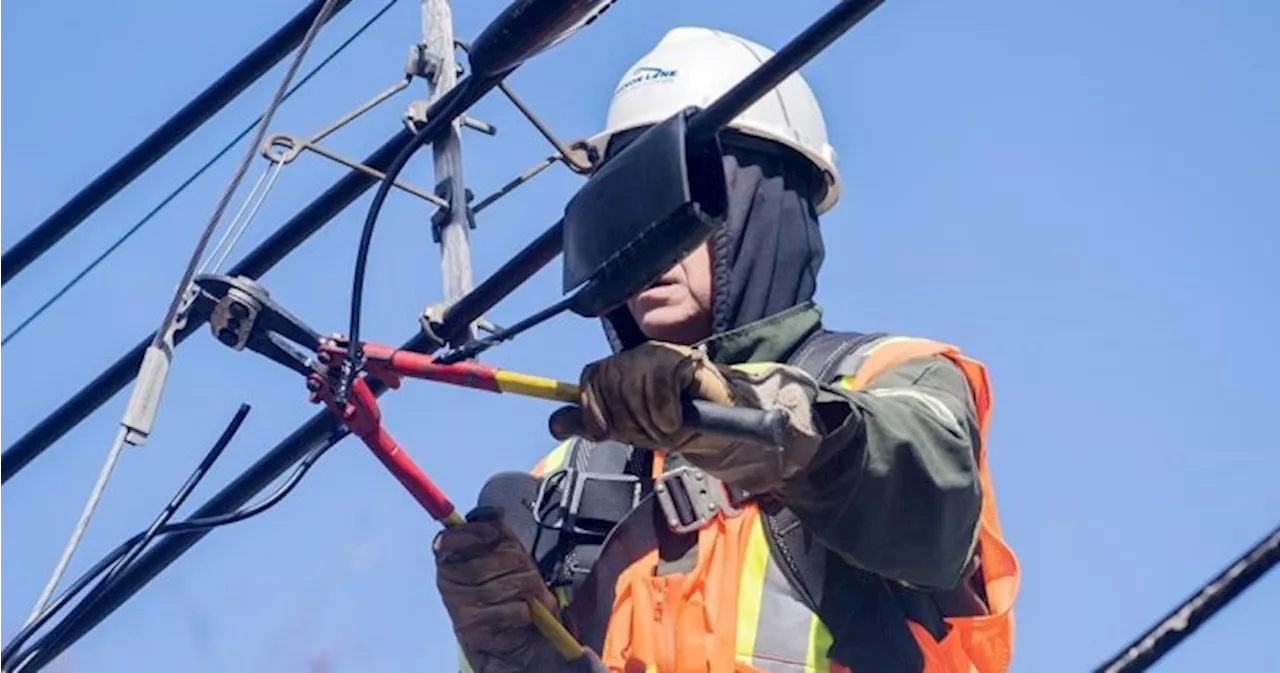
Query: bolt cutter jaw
[243,315]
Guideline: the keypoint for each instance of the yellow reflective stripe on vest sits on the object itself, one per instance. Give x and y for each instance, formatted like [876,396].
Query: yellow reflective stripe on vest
[820,641]
[552,461]
[750,593]
[776,631]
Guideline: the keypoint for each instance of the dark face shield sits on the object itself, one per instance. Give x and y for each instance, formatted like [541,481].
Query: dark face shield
[767,256]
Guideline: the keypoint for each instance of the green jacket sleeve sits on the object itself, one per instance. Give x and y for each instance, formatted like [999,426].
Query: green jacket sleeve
[893,488]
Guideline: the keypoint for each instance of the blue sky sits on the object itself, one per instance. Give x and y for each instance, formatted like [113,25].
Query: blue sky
[1083,195]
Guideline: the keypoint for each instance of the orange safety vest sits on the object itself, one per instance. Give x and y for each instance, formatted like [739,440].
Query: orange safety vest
[735,611]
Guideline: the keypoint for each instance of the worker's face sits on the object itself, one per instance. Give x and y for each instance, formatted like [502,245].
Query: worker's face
[677,307]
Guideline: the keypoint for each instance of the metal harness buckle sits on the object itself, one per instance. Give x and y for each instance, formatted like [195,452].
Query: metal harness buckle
[690,498]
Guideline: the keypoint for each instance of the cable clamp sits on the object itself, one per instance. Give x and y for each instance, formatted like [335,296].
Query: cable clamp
[440,219]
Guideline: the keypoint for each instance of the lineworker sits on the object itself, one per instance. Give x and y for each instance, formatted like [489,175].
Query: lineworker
[869,541]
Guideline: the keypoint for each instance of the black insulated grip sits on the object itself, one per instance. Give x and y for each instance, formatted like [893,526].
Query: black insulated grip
[755,425]
[752,425]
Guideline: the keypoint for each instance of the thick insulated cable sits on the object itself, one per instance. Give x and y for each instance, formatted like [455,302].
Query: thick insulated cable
[305,444]
[125,553]
[1182,621]
[182,187]
[167,136]
[307,221]
[135,426]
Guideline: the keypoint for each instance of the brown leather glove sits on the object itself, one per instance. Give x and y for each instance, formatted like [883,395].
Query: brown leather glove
[485,576]
[635,397]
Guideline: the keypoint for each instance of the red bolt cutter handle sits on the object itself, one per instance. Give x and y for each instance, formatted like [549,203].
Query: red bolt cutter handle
[362,416]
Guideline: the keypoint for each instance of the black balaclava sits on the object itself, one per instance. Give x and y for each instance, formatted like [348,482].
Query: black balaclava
[766,258]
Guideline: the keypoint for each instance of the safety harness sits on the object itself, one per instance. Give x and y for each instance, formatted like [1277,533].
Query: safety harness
[600,510]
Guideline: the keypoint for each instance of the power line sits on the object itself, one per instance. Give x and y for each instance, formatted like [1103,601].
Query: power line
[258,261]
[305,443]
[159,142]
[1179,624]
[139,416]
[116,561]
[164,138]
[57,296]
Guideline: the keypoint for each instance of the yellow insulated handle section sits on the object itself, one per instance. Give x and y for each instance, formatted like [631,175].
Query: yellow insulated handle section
[548,625]
[554,631]
[535,386]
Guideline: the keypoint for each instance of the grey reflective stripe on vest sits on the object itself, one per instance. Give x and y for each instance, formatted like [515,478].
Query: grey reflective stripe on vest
[783,634]
[776,630]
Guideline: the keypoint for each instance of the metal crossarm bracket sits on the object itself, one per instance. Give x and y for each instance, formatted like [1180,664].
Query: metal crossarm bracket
[283,148]
[415,116]
[578,157]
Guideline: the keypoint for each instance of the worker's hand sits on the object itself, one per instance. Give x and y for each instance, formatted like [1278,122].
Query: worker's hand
[485,576]
[635,397]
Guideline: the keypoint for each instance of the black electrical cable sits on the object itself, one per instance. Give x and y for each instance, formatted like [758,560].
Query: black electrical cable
[166,136]
[304,445]
[1179,624]
[313,437]
[56,638]
[521,31]
[127,552]
[474,348]
[107,562]
[439,116]
[182,187]
[305,222]
[184,492]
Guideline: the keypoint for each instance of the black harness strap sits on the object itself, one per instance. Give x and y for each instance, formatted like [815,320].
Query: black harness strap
[636,535]
[575,506]
[826,354]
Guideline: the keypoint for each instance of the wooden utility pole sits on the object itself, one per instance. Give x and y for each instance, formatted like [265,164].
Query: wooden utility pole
[450,227]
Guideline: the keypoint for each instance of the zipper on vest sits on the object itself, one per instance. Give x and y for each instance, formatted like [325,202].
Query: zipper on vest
[666,618]
[789,566]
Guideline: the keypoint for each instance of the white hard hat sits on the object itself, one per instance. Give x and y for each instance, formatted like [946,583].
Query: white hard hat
[694,66]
